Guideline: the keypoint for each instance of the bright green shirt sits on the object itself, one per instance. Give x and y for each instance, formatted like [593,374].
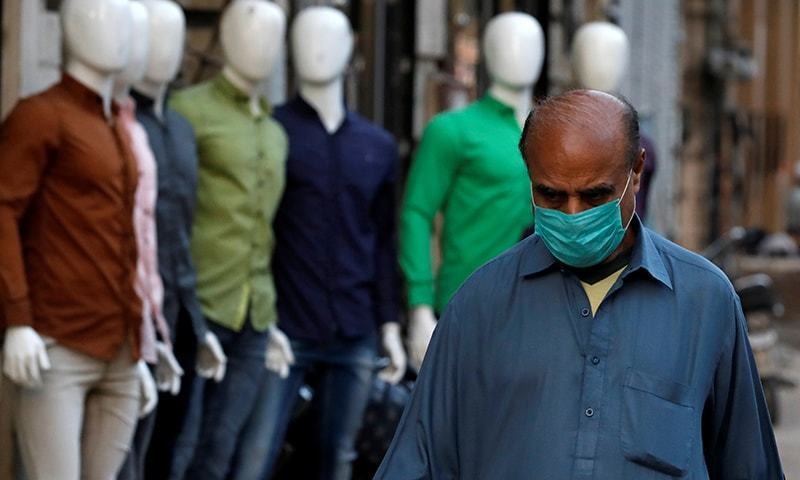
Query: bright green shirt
[240,181]
[468,167]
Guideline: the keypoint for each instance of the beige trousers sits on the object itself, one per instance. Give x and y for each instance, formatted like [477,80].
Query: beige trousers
[79,425]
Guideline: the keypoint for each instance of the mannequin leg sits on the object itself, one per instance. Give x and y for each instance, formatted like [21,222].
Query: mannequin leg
[49,419]
[343,396]
[112,408]
[263,436]
[228,405]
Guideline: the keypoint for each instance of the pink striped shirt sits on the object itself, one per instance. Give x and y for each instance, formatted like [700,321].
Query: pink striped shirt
[148,281]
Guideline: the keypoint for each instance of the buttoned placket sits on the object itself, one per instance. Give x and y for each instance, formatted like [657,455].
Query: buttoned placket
[594,350]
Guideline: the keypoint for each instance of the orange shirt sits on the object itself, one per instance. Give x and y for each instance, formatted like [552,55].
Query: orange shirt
[67,248]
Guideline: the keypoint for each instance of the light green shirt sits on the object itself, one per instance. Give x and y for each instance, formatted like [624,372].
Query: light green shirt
[241,177]
[468,167]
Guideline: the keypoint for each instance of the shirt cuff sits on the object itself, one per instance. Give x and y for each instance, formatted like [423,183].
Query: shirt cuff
[17,313]
[420,293]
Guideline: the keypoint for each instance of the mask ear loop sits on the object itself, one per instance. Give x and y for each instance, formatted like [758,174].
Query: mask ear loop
[630,173]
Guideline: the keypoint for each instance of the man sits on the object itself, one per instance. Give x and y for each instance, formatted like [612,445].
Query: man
[593,349]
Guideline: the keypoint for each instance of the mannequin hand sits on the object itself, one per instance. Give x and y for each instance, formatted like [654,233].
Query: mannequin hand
[393,346]
[279,356]
[24,356]
[422,321]
[211,360]
[168,370]
[148,390]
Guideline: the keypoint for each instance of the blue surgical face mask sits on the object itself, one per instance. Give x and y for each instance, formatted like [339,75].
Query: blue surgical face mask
[585,238]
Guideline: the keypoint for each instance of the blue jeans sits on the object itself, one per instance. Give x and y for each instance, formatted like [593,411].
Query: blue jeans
[228,405]
[345,369]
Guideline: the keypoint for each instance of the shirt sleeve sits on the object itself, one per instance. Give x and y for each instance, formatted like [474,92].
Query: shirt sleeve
[425,445]
[384,214]
[737,432]
[430,177]
[28,139]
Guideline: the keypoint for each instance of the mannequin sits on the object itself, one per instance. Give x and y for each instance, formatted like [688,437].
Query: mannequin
[331,319]
[66,318]
[600,52]
[172,142]
[513,45]
[242,155]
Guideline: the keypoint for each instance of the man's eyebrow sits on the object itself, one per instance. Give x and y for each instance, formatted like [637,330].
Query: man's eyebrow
[598,190]
[545,190]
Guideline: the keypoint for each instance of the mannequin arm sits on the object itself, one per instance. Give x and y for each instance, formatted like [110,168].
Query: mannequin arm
[421,324]
[432,173]
[393,346]
[211,359]
[24,356]
[279,356]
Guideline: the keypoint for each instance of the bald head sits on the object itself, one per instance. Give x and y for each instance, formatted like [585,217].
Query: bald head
[599,117]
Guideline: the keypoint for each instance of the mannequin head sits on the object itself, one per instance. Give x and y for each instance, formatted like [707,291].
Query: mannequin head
[139,41]
[97,33]
[251,33]
[600,56]
[167,28]
[513,45]
[322,42]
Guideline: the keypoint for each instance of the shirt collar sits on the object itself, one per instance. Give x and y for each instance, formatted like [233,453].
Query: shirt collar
[240,98]
[646,257]
[300,105]
[85,95]
[495,105]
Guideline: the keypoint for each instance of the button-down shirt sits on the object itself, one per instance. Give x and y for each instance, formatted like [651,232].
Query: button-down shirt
[67,246]
[335,256]
[241,179]
[468,167]
[148,281]
[521,381]
[173,145]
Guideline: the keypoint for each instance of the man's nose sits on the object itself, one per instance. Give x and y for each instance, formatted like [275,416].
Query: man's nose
[574,205]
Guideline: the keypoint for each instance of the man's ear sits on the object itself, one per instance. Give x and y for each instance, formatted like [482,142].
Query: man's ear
[638,168]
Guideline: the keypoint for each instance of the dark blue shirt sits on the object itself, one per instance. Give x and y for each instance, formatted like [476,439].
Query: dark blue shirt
[335,255]
[173,143]
[521,382]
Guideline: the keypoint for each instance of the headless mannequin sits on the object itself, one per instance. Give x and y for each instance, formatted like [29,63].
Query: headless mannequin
[322,42]
[95,50]
[513,45]
[167,29]
[249,63]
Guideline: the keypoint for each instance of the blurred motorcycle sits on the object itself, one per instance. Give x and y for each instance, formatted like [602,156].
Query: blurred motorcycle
[761,307]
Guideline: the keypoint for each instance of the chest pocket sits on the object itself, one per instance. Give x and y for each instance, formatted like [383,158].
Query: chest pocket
[657,430]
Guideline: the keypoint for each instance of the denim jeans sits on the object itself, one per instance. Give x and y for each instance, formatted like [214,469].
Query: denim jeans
[345,369]
[228,405]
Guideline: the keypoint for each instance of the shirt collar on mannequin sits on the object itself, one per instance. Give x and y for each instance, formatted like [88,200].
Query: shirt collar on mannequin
[241,98]
[247,88]
[517,99]
[100,83]
[156,92]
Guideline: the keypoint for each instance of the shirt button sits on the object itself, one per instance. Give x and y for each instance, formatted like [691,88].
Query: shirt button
[589,412]
[585,312]
[595,360]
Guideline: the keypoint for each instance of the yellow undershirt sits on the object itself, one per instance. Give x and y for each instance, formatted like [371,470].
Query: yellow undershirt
[597,292]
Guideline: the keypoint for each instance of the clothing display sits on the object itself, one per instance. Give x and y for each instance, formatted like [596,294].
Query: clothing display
[660,383]
[148,284]
[83,405]
[173,145]
[241,179]
[468,166]
[335,254]
[67,246]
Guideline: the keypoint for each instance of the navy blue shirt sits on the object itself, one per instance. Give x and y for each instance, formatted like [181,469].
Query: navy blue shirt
[335,254]
[521,382]
[173,143]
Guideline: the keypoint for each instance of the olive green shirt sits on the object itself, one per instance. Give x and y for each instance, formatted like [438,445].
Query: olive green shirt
[468,167]
[241,177]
